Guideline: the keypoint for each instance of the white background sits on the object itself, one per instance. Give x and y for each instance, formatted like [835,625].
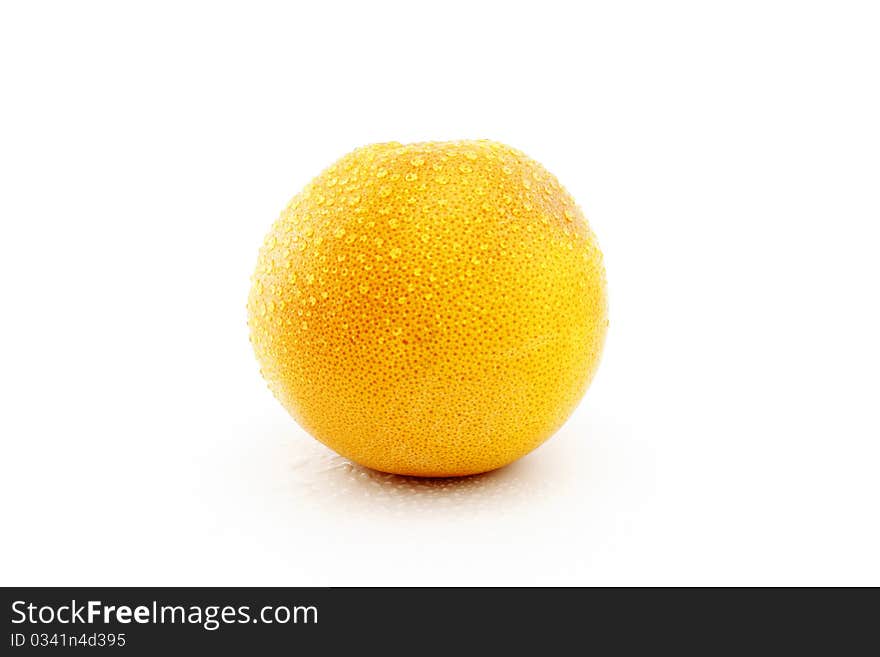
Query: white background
[726,154]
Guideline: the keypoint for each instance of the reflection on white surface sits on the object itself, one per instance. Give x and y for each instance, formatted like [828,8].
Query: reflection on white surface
[314,518]
[333,482]
[303,515]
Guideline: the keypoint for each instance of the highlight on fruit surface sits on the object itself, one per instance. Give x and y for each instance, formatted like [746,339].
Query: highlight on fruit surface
[430,309]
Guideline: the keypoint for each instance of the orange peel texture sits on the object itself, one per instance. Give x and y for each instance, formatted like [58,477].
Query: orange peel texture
[430,309]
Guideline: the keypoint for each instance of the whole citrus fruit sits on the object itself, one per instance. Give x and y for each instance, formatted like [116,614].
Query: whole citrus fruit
[430,309]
